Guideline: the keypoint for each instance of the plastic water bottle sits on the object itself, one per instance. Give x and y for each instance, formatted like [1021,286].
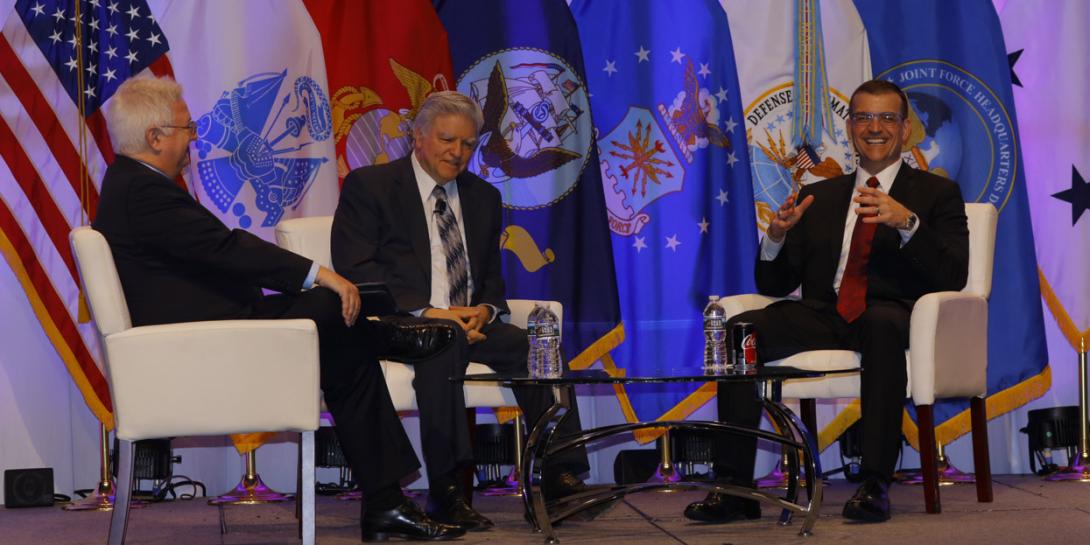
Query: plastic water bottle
[547,328]
[715,336]
[533,357]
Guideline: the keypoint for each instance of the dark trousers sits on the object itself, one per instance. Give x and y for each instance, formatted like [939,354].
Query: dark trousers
[444,431]
[371,435]
[786,328]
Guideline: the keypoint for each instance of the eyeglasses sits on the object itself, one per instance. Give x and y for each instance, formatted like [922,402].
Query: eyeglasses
[191,127]
[887,118]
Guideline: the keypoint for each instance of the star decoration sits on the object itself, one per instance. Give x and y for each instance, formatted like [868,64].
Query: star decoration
[721,95]
[96,3]
[731,124]
[153,39]
[113,8]
[704,70]
[611,67]
[59,15]
[91,69]
[1078,195]
[110,74]
[71,64]
[722,198]
[55,37]
[672,242]
[132,34]
[111,52]
[111,30]
[731,159]
[676,55]
[703,225]
[642,55]
[131,57]
[1011,59]
[639,244]
[93,47]
[38,9]
[90,92]
[133,13]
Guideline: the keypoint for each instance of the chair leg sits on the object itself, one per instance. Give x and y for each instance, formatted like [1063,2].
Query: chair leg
[306,490]
[119,519]
[466,475]
[808,410]
[925,418]
[982,464]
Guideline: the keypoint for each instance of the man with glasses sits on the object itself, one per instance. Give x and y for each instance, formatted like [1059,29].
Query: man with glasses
[179,263]
[863,247]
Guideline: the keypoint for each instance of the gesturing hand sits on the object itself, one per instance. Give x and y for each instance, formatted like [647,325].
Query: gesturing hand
[347,291]
[878,207]
[787,216]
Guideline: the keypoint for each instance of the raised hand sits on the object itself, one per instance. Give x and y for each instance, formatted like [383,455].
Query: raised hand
[787,216]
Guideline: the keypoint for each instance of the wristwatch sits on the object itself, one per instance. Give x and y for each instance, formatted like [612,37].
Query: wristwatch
[910,223]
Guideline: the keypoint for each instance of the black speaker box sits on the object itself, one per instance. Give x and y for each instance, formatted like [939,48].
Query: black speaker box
[28,487]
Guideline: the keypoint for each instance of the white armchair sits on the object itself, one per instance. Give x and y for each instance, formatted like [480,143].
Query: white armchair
[947,357]
[203,362]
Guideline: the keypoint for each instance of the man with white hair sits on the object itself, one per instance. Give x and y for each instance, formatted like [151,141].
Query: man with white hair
[430,230]
[178,263]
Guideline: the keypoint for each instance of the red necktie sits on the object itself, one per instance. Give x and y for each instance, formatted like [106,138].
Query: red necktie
[852,300]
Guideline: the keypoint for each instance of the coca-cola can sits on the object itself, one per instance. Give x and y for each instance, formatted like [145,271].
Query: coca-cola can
[743,346]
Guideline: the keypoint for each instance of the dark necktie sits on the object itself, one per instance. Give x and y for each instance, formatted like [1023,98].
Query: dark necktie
[852,300]
[453,249]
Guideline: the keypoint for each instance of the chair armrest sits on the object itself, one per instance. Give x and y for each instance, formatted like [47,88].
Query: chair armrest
[213,378]
[521,308]
[737,304]
[948,346]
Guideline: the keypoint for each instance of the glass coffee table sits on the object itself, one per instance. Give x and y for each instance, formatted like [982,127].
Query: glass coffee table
[543,442]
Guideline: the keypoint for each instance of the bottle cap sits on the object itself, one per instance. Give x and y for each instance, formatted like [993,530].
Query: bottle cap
[713,297]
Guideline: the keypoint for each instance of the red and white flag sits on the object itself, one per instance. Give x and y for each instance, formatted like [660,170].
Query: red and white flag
[60,62]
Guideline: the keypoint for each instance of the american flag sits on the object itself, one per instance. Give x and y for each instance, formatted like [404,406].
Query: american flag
[60,62]
[806,157]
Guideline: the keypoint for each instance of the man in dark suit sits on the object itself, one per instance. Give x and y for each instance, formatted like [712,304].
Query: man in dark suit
[864,247]
[431,230]
[177,263]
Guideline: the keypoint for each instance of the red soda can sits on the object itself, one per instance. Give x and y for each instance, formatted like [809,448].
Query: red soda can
[743,342]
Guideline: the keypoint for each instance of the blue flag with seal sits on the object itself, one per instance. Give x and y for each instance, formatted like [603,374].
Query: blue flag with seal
[950,59]
[522,63]
[676,177]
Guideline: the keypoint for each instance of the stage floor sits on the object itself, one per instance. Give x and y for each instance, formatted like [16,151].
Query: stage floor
[1026,510]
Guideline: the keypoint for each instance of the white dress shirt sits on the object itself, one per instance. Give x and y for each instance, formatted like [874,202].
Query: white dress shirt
[770,249]
[440,283]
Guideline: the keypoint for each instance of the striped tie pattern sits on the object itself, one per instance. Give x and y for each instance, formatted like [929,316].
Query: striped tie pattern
[453,250]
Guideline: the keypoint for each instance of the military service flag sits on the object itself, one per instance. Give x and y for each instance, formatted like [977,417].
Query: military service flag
[675,172]
[399,56]
[950,59]
[521,61]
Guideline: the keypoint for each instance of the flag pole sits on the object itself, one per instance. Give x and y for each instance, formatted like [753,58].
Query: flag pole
[1079,467]
[102,498]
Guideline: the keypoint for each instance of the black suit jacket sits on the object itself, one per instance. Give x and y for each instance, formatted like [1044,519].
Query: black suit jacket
[380,234]
[177,261]
[936,258]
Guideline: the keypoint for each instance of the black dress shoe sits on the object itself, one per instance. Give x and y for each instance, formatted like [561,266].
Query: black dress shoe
[406,521]
[564,484]
[721,508]
[448,506]
[409,338]
[870,502]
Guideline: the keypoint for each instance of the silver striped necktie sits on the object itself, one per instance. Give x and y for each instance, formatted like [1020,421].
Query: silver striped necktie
[453,250]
